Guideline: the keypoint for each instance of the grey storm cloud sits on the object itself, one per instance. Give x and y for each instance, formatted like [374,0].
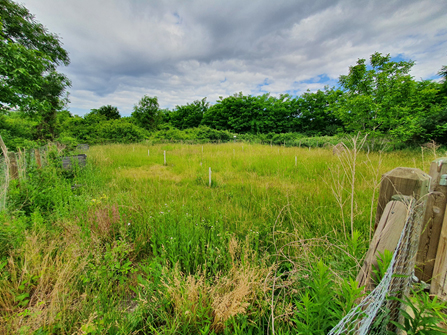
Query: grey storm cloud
[180,51]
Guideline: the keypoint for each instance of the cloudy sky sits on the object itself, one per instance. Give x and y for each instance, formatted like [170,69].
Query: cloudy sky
[183,50]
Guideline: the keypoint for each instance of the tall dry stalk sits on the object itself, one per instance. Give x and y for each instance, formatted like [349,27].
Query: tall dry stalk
[376,182]
[4,188]
[348,160]
[337,188]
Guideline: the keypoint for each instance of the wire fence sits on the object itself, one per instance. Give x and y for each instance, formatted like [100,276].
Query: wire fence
[14,165]
[373,315]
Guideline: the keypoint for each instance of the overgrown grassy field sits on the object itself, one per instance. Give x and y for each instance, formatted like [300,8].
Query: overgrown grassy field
[142,247]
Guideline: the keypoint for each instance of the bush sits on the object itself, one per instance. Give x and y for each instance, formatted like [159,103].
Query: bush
[200,134]
[120,131]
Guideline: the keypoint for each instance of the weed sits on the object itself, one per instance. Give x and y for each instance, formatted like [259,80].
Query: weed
[422,315]
[382,264]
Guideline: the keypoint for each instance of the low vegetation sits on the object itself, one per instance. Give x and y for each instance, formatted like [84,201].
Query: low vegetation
[142,247]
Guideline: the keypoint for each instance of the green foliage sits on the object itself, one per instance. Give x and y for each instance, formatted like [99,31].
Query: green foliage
[120,131]
[199,134]
[383,261]
[252,114]
[383,98]
[146,113]
[112,268]
[95,128]
[17,130]
[428,314]
[108,111]
[316,116]
[320,307]
[374,97]
[29,56]
[42,190]
[190,115]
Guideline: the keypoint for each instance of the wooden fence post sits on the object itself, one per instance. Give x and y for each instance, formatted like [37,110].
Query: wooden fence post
[37,156]
[13,167]
[401,181]
[433,221]
[438,283]
[386,237]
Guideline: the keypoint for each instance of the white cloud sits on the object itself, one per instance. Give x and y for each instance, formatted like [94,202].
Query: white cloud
[182,51]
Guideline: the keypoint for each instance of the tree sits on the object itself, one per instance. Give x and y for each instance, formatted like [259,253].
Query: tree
[314,113]
[374,97]
[29,56]
[108,111]
[146,113]
[190,115]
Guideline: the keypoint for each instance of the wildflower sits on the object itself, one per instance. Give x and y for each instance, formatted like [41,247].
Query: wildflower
[161,212]
[129,224]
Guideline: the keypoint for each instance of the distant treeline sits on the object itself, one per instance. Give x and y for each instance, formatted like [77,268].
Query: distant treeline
[380,99]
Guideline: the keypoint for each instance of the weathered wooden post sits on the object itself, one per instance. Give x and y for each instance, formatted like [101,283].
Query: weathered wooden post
[13,167]
[37,157]
[401,181]
[433,220]
[386,237]
[397,188]
[438,283]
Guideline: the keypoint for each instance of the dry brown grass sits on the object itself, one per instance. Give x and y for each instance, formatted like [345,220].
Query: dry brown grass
[103,221]
[46,272]
[228,294]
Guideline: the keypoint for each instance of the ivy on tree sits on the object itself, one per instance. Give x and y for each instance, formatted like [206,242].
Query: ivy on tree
[29,56]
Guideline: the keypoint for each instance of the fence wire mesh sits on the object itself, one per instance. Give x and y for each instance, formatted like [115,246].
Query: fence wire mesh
[22,159]
[373,315]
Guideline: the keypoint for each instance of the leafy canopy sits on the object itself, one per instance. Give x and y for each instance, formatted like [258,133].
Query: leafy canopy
[374,94]
[108,111]
[146,113]
[29,56]
[190,115]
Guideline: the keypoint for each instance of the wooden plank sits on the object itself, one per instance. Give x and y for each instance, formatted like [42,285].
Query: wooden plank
[432,222]
[402,181]
[438,283]
[386,237]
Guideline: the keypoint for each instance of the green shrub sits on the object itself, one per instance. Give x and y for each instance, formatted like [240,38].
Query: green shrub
[120,131]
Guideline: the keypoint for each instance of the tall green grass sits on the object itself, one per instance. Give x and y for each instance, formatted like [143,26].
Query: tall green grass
[142,247]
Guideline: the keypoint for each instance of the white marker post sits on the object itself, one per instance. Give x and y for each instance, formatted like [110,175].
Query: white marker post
[202,149]
[296,161]
[148,152]
[210,177]
[164,158]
